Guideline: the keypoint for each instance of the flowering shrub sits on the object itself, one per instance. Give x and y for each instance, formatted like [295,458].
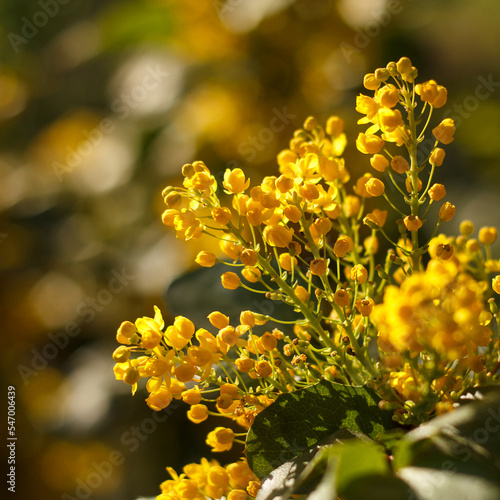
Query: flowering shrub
[380,344]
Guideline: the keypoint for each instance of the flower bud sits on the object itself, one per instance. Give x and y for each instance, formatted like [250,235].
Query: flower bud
[375,187]
[369,143]
[444,131]
[412,223]
[379,162]
[466,228]
[437,157]
[487,235]
[447,211]
[205,259]
[341,298]
[359,274]
[318,267]
[249,257]
[437,192]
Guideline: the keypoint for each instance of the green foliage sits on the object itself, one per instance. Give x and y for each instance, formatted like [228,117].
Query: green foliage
[453,456]
[303,418]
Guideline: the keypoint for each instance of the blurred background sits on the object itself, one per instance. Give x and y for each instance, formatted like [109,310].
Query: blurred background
[101,103]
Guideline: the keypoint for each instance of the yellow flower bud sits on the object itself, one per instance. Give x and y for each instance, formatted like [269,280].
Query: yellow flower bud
[310,123]
[199,356]
[247,318]
[318,267]
[343,245]
[253,488]
[322,225]
[127,329]
[237,495]
[286,260]
[197,413]
[487,235]
[249,257]
[466,228]
[230,281]
[444,131]
[284,184]
[400,165]
[263,368]
[205,259]
[388,96]
[371,244]
[409,186]
[184,326]
[437,192]
[359,274]
[277,235]
[341,298]
[302,293]
[444,252]
[121,354]
[390,119]
[412,223]
[168,217]
[495,284]
[437,157]
[441,98]
[427,91]
[251,274]
[160,399]
[192,396]
[334,126]
[234,181]
[379,162]
[351,205]
[473,246]
[268,341]
[218,320]
[244,365]
[447,211]
[131,376]
[221,215]
[218,476]
[370,82]
[375,187]
[404,65]
[185,371]
[369,143]
[220,439]
[365,306]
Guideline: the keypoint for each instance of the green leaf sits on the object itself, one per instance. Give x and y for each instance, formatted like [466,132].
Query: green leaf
[448,485]
[456,455]
[299,420]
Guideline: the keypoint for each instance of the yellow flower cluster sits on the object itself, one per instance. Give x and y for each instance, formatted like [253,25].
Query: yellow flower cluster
[209,480]
[305,237]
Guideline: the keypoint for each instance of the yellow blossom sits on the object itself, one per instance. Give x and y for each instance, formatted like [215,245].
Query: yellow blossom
[197,413]
[278,236]
[495,284]
[444,131]
[205,259]
[437,192]
[488,235]
[447,211]
[234,181]
[220,439]
[369,143]
[230,280]
[159,399]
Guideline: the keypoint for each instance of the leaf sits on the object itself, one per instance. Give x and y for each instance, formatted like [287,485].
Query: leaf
[456,455]
[298,420]
[349,469]
[448,485]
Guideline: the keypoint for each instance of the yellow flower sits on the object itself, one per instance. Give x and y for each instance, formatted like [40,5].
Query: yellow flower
[400,165]
[218,320]
[278,235]
[369,143]
[444,131]
[412,223]
[375,187]
[447,211]
[263,368]
[184,326]
[389,120]
[127,329]
[388,96]
[379,162]
[437,157]
[487,235]
[286,261]
[466,228]
[221,215]
[192,396]
[342,298]
[251,274]
[159,399]
[230,280]
[351,206]
[205,259]
[495,284]
[343,245]
[234,181]
[359,274]
[185,371]
[197,413]
[370,82]
[365,306]
[318,267]
[437,192]
[237,495]
[244,365]
[220,439]
[302,293]
[150,329]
